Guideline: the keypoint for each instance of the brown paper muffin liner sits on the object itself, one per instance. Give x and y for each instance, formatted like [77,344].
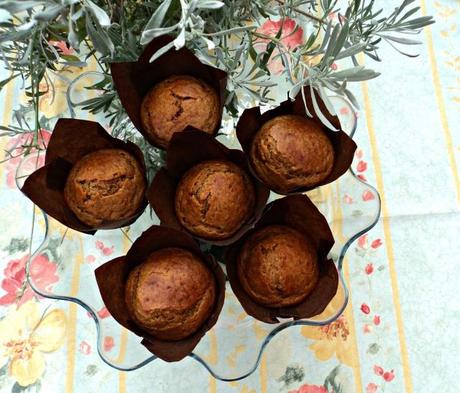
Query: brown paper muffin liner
[133,80]
[70,141]
[112,276]
[344,147]
[186,150]
[298,212]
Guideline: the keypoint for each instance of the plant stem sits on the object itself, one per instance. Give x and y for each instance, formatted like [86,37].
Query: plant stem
[308,15]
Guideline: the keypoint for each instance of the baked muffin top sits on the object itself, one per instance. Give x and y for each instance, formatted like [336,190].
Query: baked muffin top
[177,102]
[171,294]
[291,152]
[105,186]
[277,266]
[214,199]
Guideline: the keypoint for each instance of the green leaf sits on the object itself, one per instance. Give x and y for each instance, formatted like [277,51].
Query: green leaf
[158,16]
[99,37]
[400,40]
[210,4]
[49,13]
[14,7]
[4,82]
[373,348]
[162,51]
[149,35]
[99,13]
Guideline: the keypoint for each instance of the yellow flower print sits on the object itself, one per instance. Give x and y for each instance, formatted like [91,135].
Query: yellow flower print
[332,339]
[25,335]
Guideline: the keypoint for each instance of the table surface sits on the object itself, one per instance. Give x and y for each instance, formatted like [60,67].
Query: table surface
[399,332]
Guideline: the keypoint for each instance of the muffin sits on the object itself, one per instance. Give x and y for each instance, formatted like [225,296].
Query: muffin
[214,199]
[171,294]
[277,266]
[177,102]
[291,152]
[105,186]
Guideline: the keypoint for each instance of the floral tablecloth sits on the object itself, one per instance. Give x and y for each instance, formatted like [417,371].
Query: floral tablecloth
[399,332]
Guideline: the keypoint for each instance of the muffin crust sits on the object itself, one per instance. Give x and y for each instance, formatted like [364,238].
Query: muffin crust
[105,186]
[214,199]
[177,102]
[290,152]
[277,266]
[171,294]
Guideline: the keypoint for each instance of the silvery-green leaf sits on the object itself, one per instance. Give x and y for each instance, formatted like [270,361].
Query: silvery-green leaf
[26,57]
[354,74]
[4,16]
[210,4]
[149,35]
[99,13]
[14,7]
[400,40]
[304,98]
[210,44]
[27,26]
[326,100]
[179,42]
[48,13]
[77,15]
[351,51]
[162,51]
[99,37]
[14,35]
[321,116]
[158,16]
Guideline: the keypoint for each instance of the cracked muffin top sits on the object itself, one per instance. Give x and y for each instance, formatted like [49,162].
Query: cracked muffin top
[214,199]
[177,102]
[291,152]
[171,294]
[105,186]
[277,266]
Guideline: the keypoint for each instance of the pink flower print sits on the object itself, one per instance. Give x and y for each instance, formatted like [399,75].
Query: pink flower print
[371,388]
[332,16]
[365,308]
[344,111]
[362,241]
[334,66]
[388,376]
[90,258]
[84,348]
[291,34]
[367,328]
[62,47]
[103,313]
[368,196]
[310,389]
[378,370]
[362,166]
[362,177]
[347,199]
[105,250]
[291,37]
[42,272]
[377,320]
[359,154]
[369,268]
[109,343]
[18,147]
[108,250]
[376,243]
